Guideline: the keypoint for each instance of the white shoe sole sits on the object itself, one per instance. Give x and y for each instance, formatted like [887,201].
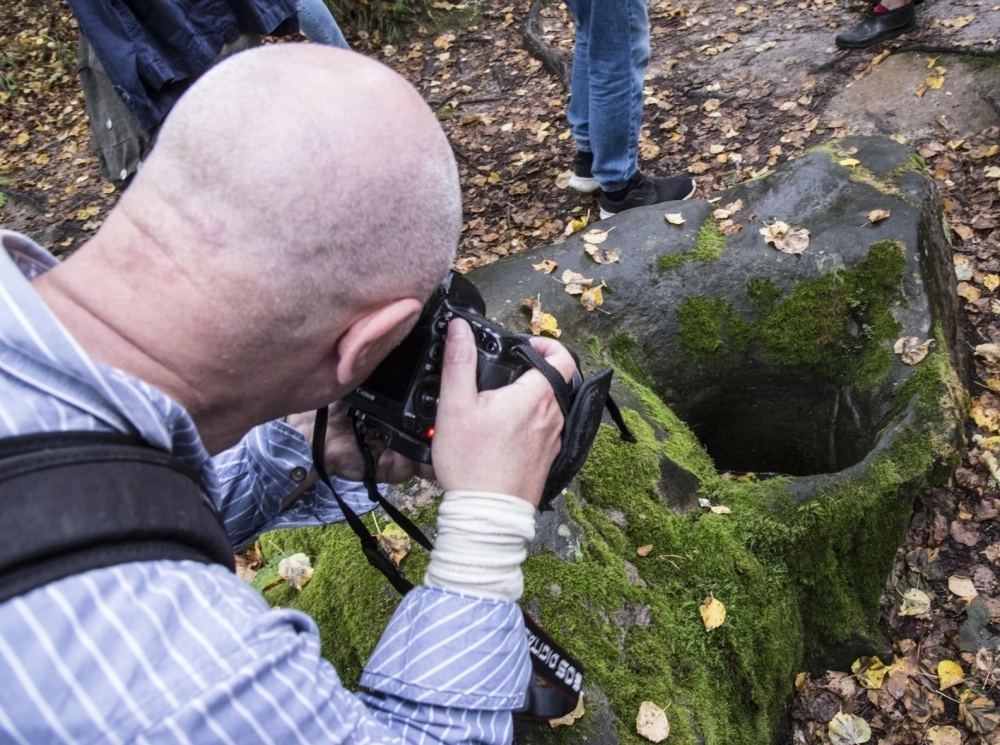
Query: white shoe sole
[605,214]
[586,185]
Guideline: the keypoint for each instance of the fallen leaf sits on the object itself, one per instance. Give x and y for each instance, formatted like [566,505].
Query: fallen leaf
[992,552]
[644,550]
[595,236]
[944,734]
[963,231]
[850,162]
[575,283]
[545,266]
[968,292]
[787,239]
[541,323]
[949,674]
[592,297]
[577,224]
[911,350]
[296,570]
[728,227]
[992,172]
[570,718]
[870,671]
[721,509]
[765,46]
[977,711]
[601,256]
[934,82]
[651,722]
[991,281]
[394,542]
[915,603]
[962,586]
[848,729]
[713,613]
[989,352]
[877,215]
[674,218]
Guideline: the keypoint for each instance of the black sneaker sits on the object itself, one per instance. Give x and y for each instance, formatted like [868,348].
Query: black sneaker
[583,177]
[644,190]
[878,26]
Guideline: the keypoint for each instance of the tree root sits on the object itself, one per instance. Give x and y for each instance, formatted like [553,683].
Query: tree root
[554,63]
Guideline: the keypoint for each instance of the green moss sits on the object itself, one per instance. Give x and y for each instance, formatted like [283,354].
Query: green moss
[795,578]
[623,349]
[835,325]
[708,249]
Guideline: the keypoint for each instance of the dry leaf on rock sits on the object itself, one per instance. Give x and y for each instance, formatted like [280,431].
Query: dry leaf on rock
[728,227]
[592,297]
[870,671]
[576,224]
[545,266]
[674,218]
[651,722]
[541,323]
[949,674]
[713,613]
[915,603]
[911,350]
[787,239]
[848,729]
[296,570]
[575,282]
[570,718]
[595,236]
[964,587]
[644,550]
[601,256]
[850,162]
[877,215]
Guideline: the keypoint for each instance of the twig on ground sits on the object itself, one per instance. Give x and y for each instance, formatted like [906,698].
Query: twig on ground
[552,60]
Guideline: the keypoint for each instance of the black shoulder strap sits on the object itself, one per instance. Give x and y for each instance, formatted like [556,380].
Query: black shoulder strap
[75,501]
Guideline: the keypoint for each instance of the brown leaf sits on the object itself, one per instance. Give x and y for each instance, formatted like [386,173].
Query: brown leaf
[911,350]
[541,323]
[601,256]
[968,292]
[644,550]
[545,266]
[575,282]
[965,533]
[728,227]
[877,215]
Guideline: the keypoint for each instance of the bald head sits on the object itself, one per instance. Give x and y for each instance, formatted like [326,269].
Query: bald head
[306,173]
[300,205]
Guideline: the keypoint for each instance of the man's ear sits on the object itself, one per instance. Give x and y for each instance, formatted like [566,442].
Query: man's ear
[371,337]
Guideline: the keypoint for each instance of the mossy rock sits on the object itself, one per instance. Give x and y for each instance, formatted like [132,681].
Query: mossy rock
[739,360]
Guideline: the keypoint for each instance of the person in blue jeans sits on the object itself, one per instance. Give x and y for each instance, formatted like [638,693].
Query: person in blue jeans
[605,108]
[317,23]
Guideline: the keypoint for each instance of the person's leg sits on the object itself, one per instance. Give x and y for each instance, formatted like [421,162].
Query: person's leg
[887,20]
[578,112]
[317,23]
[618,52]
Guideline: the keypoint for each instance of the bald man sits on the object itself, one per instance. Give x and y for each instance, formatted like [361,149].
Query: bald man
[270,253]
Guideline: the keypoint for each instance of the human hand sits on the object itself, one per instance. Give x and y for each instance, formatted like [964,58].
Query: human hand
[342,457]
[504,440]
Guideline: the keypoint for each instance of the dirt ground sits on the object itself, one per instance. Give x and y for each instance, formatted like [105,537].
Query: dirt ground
[732,89]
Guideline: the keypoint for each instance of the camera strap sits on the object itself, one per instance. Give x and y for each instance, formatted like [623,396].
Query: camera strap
[549,661]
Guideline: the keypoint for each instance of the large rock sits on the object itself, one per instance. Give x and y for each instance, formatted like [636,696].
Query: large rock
[734,362]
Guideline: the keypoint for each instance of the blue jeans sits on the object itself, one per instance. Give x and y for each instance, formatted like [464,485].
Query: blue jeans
[609,66]
[316,22]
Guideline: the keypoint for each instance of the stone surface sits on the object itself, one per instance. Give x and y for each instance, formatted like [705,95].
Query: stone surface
[884,102]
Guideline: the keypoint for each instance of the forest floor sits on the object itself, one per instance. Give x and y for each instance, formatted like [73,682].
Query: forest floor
[732,89]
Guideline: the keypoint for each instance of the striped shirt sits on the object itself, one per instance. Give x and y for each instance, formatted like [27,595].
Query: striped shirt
[177,651]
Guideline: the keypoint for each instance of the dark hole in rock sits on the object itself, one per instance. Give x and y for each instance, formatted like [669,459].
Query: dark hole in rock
[781,423]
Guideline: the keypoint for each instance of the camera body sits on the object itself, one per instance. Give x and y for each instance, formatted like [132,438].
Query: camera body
[398,402]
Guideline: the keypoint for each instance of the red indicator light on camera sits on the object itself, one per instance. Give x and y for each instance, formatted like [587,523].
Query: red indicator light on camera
[429,433]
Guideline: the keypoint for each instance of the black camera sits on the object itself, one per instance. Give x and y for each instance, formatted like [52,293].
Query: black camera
[398,402]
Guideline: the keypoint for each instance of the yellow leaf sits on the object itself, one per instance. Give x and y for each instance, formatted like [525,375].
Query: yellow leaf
[578,224]
[915,603]
[870,672]
[644,550]
[992,172]
[494,177]
[444,41]
[545,266]
[944,734]
[949,674]
[674,218]
[934,82]
[22,138]
[541,323]
[991,282]
[878,215]
[592,298]
[968,292]
[992,150]
[898,138]
[711,105]
[721,509]
[850,162]
[713,613]
[394,542]
[651,722]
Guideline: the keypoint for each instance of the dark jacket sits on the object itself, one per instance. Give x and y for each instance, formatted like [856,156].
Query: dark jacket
[152,50]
